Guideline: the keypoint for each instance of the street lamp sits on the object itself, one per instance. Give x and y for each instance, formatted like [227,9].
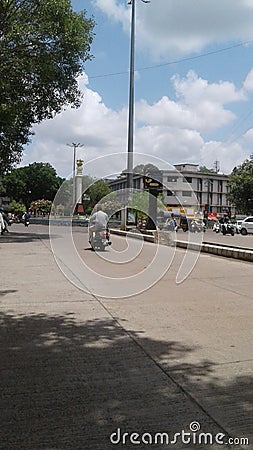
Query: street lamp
[129,181]
[74,146]
[131,100]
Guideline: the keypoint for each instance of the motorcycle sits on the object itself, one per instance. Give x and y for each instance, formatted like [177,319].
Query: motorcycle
[170,225]
[196,227]
[99,239]
[227,228]
[216,227]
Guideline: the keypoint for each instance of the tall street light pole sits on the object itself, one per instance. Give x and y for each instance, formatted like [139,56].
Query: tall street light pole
[131,99]
[131,103]
[74,146]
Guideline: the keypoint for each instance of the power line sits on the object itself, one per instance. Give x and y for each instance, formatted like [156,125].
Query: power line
[176,61]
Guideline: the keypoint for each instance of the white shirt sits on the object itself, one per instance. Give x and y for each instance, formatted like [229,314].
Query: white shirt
[100,218]
[2,226]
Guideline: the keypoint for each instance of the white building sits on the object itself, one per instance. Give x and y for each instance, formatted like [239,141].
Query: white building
[187,187]
[187,190]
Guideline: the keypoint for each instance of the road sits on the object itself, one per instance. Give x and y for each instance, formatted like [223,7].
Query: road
[129,349]
[209,236]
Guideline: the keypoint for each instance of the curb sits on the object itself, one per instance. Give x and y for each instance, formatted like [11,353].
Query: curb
[244,254]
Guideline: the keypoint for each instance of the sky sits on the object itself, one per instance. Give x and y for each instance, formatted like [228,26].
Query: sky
[193,89]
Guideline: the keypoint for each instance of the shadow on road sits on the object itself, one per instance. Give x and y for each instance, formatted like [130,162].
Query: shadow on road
[69,385]
[20,237]
[7,291]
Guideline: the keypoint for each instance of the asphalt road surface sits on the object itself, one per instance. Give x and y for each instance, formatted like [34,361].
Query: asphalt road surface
[131,348]
[210,236]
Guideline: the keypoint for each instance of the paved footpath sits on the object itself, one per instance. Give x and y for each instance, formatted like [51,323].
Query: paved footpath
[78,371]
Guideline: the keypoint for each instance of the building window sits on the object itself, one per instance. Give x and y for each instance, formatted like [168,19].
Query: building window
[172,179]
[187,179]
[137,183]
[186,193]
[209,184]
[199,197]
[199,184]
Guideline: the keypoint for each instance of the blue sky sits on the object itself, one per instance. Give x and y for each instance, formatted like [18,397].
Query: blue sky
[193,87]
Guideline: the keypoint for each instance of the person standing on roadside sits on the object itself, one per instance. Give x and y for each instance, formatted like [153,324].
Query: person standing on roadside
[2,226]
[5,221]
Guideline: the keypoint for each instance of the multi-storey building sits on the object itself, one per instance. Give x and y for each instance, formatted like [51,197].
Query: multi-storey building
[192,189]
[187,190]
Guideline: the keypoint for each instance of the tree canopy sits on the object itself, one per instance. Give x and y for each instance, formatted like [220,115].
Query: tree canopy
[143,169]
[204,169]
[97,191]
[43,45]
[240,187]
[33,182]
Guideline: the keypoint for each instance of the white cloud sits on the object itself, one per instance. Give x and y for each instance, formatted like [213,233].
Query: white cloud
[169,129]
[200,105]
[229,155]
[169,27]
[248,83]
[249,135]
[100,130]
[172,144]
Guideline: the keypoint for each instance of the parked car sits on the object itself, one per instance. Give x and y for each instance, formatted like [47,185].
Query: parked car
[247,226]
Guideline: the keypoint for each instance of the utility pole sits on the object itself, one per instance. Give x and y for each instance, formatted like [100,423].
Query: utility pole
[216,166]
[131,99]
[74,146]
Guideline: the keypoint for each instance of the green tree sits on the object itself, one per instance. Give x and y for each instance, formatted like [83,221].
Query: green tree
[140,202]
[98,190]
[33,182]
[204,169]
[240,187]
[144,169]
[65,194]
[17,208]
[43,45]
[41,207]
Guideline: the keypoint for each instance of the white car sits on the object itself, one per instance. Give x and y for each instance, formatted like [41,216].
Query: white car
[247,226]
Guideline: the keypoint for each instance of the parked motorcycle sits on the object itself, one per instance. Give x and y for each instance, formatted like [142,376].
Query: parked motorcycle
[99,239]
[170,225]
[216,227]
[196,227]
[227,228]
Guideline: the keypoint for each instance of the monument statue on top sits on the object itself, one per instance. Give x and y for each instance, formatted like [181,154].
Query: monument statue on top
[79,185]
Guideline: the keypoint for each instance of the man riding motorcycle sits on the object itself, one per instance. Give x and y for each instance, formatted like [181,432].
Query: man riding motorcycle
[98,223]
